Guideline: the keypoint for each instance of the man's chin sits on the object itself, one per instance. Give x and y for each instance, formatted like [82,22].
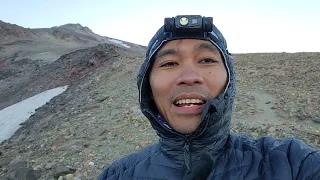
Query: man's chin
[187,128]
[186,131]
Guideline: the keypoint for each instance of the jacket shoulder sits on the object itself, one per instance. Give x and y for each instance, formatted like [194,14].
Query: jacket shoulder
[280,155]
[304,160]
[124,168]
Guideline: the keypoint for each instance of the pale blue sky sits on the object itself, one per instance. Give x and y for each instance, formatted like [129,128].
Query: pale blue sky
[248,25]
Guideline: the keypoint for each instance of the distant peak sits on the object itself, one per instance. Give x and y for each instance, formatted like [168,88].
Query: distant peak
[72,25]
[76,26]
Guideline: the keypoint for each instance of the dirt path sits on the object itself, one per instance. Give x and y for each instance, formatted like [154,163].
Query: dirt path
[267,113]
[262,116]
[264,111]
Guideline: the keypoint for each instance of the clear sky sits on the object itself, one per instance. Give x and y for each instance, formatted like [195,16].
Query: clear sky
[248,25]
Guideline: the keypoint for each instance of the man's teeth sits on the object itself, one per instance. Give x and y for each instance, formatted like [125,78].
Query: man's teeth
[188,101]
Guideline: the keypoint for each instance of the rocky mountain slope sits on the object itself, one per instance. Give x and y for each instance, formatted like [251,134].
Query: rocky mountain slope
[97,119]
[46,44]
[24,51]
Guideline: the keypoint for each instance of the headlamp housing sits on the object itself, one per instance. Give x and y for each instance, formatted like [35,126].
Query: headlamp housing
[184,26]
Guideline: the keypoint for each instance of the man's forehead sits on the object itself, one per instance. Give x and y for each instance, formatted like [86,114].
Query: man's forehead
[172,47]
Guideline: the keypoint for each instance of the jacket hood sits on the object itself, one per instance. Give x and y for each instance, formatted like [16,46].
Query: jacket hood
[214,129]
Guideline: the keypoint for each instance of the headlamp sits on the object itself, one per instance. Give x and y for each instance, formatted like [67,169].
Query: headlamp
[194,26]
[186,27]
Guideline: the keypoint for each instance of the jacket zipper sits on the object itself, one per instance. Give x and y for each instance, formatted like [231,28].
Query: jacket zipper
[186,152]
[185,148]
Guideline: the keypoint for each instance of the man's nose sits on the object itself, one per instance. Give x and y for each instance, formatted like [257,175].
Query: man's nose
[189,77]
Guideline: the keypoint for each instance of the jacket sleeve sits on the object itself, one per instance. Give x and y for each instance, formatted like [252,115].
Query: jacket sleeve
[124,169]
[291,158]
[305,160]
[310,167]
[113,171]
[121,169]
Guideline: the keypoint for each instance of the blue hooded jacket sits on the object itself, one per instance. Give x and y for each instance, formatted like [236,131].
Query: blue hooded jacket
[212,151]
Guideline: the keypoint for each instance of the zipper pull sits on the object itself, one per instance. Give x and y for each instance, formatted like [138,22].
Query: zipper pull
[186,150]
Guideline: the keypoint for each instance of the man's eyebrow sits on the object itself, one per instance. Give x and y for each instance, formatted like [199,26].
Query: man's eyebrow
[165,52]
[206,46]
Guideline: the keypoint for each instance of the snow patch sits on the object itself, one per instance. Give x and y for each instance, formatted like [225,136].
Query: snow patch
[12,116]
[119,42]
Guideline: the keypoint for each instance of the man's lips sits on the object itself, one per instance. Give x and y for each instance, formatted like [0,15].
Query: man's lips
[189,96]
[188,110]
[189,104]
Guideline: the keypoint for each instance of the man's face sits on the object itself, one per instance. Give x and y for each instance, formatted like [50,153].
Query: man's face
[185,74]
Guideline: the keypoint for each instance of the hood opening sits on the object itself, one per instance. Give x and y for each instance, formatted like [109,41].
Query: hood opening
[147,104]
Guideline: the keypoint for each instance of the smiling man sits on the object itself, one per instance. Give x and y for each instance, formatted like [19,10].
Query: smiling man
[186,73]
[187,88]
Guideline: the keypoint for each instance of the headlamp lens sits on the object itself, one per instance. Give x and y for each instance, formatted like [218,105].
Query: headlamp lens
[184,21]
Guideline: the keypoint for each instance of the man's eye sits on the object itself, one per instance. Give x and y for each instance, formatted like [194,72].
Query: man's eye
[207,60]
[168,64]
